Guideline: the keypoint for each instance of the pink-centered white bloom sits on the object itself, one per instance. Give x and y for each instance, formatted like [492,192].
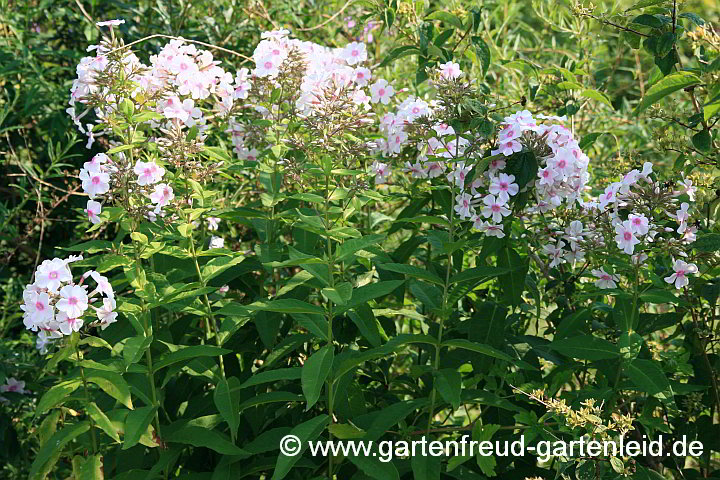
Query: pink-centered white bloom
[463,207]
[503,186]
[495,208]
[94,183]
[688,188]
[381,172]
[604,279]
[487,228]
[381,91]
[106,314]
[458,175]
[93,210]
[682,270]
[73,301]
[450,70]
[361,76]
[103,284]
[639,223]
[682,215]
[148,172]
[547,176]
[555,252]
[69,324]
[38,310]
[354,53]
[625,237]
[162,195]
[51,274]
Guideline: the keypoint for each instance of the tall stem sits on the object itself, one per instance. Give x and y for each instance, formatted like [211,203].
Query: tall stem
[441,326]
[206,301]
[330,314]
[147,326]
[87,402]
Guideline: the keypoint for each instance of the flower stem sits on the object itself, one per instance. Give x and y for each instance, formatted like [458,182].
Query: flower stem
[87,401]
[441,326]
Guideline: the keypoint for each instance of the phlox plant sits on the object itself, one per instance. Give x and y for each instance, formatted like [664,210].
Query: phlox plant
[297,245]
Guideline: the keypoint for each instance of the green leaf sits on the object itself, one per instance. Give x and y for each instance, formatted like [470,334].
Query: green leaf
[135,348]
[55,444]
[645,3]
[305,432]
[206,438]
[345,431]
[136,424]
[348,248]
[188,353]
[315,372]
[292,373]
[649,377]
[374,467]
[56,395]
[412,271]
[647,20]
[478,348]
[227,400]
[426,467]
[446,17]
[657,295]
[270,397]
[364,318]
[399,53]
[586,347]
[598,96]
[111,383]
[512,283]
[449,384]
[371,291]
[630,344]
[339,294]
[589,139]
[482,53]
[102,421]
[664,87]
[218,265]
[709,242]
[390,416]
[483,433]
[91,468]
[120,148]
[285,305]
[483,273]
[702,141]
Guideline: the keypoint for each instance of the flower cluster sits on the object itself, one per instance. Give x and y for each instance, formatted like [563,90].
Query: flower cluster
[341,71]
[175,84]
[54,305]
[562,166]
[97,178]
[632,216]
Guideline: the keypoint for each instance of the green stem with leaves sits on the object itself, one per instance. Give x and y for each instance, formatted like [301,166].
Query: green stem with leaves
[87,398]
[444,314]
[330,314]
[206,301]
